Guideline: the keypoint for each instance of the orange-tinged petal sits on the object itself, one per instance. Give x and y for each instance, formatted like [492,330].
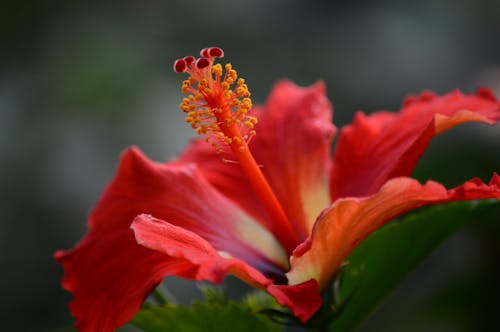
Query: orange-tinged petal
[385,145]
[292,145]
[349,221]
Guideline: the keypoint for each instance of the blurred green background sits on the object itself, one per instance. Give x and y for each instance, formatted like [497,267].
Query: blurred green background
[80,81]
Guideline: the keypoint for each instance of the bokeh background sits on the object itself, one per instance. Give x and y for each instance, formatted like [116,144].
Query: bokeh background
[80,81]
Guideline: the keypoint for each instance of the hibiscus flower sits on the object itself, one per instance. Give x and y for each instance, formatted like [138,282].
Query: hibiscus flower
[263,200]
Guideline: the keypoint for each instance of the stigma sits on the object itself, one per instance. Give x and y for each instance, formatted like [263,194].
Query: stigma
[217,102]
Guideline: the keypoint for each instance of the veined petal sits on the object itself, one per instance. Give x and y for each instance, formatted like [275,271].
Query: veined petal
[385,145]
[109,254]
[178,244]
[349,221]
[292,144]
[179,193]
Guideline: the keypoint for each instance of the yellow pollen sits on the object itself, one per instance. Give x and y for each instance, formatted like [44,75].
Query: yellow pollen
[217,103]
[217,70]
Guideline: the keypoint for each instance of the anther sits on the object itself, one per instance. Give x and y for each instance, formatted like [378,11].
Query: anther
[212,107]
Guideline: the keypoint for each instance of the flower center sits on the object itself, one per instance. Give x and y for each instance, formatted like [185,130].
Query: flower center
[217,106]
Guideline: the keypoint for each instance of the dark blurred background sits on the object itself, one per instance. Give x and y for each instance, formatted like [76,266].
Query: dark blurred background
[79,82]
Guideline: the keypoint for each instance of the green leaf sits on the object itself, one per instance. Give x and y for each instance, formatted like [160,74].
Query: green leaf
[217,314]
[381,261]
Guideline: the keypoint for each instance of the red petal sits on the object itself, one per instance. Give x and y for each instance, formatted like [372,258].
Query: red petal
[303,299]
[292,144]
[206,263]
[110,275]
[384,145]
[349,221]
